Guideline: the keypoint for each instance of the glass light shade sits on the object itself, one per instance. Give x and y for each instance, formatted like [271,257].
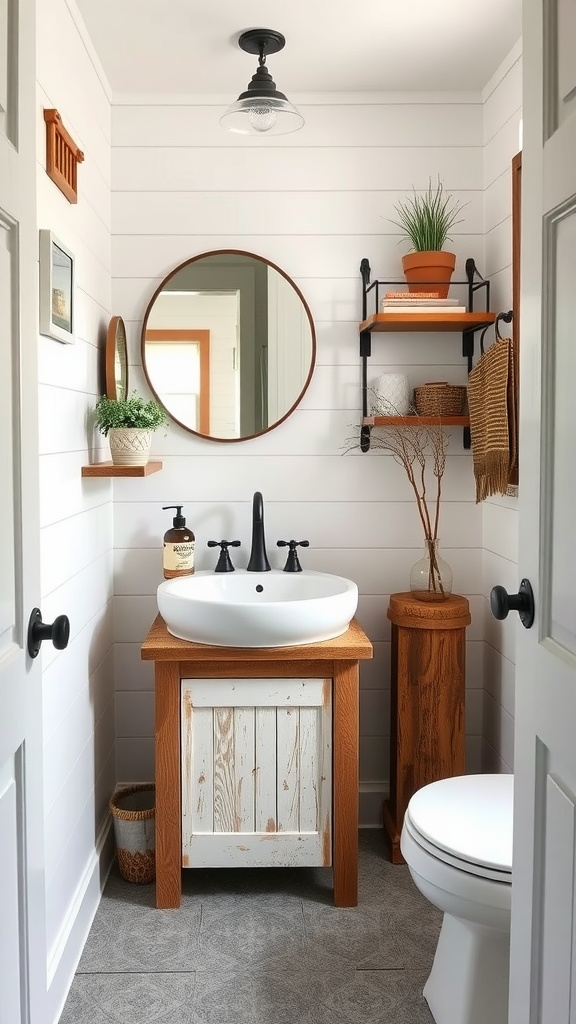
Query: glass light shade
[262,115]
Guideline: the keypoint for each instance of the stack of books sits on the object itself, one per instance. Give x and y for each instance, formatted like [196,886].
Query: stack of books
[418,302]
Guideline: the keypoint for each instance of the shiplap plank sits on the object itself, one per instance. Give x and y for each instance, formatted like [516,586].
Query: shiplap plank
[151,257]
[310,770]
[244,763]
[225,816]
[262,693]
[265,810]
[240,850]
[327,213]
[179,169]
[409,125]
[199,767]
[288,768]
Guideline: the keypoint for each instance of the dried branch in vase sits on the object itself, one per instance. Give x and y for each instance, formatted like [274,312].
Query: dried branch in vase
[421,450]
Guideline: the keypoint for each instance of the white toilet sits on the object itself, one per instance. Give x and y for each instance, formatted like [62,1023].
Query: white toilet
[457,842]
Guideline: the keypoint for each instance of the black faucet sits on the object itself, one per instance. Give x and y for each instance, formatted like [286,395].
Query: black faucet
[258,557]
[293,562]
[224,563]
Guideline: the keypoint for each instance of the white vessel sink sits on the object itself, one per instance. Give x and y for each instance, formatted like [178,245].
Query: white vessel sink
[257,609]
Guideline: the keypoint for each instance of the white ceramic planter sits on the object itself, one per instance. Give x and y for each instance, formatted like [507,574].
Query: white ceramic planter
[129,446]
[389,395]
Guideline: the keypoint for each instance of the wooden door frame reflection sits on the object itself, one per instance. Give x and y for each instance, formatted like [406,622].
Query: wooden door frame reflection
[202,339]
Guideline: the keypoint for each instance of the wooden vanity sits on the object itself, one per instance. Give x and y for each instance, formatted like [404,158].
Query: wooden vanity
[326,674]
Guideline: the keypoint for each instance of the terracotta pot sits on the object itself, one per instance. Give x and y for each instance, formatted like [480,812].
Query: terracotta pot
[429,271]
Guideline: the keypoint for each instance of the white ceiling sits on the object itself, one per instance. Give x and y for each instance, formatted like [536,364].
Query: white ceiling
[189,47]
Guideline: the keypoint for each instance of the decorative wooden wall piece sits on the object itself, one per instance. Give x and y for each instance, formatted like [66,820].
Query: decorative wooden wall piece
[62,156]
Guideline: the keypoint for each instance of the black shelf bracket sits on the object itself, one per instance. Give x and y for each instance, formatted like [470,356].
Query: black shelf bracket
[468,347]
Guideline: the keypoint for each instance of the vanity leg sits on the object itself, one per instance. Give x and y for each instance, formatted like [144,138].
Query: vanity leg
[168,810]
[345,803]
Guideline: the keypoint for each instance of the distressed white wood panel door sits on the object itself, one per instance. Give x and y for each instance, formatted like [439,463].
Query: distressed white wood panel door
[543,947]
[22,917]
[256,772]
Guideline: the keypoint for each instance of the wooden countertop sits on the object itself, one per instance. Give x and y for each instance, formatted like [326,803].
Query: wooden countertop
[160,645]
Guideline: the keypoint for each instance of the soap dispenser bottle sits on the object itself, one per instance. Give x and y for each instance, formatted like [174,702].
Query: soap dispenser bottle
[178,555]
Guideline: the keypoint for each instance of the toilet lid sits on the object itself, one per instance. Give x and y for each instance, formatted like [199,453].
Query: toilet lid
[468,817]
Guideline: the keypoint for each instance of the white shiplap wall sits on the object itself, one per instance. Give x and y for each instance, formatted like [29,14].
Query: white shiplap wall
[502,121]
[315,203]
[76,515]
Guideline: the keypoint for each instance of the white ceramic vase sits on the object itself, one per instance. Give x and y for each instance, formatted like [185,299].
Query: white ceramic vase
[389,395]
[129,446]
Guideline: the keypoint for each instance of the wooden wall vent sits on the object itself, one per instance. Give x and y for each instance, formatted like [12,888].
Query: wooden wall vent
[62,156]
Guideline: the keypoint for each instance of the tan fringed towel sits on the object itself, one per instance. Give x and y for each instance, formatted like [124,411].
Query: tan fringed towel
[492,408]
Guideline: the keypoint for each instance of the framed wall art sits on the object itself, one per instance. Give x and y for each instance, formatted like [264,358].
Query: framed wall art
[56,289]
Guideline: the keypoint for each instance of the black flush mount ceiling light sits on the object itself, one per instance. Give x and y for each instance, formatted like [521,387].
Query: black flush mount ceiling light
[261,109]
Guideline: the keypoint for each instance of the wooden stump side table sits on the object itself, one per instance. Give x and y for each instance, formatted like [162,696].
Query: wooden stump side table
[427,700]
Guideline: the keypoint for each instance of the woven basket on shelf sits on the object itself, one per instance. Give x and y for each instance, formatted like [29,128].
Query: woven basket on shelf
[439,399]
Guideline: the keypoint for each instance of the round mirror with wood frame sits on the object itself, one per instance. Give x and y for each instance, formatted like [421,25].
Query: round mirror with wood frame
[228,345]
[116,359]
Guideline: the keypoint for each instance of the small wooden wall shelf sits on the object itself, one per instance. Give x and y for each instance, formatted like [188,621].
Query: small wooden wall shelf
[427,698]
[62,156]
[426,321]
[109,469]
[415,421]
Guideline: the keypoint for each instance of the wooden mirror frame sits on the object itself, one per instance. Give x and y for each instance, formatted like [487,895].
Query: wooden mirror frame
[516,220]
[204,408]
[116,333]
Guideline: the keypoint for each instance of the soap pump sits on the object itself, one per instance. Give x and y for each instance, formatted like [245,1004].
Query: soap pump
[178,554]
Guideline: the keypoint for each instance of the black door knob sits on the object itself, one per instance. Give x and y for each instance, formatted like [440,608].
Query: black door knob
[58,632]
[501,602]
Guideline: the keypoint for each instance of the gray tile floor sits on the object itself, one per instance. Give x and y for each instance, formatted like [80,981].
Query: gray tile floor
[260,947]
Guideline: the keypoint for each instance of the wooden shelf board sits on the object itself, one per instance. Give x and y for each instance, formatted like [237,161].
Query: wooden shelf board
[415,421]
[427,321]
[109,469]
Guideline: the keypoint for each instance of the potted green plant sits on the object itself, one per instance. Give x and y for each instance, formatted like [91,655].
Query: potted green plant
[426,220]
[128,424]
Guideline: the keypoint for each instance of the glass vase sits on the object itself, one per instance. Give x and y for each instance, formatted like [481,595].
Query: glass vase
[431,576]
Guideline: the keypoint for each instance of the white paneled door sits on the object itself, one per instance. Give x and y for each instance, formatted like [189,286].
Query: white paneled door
[543,950]
[22,930]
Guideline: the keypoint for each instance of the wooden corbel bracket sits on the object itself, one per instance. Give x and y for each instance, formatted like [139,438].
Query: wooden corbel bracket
[62,156]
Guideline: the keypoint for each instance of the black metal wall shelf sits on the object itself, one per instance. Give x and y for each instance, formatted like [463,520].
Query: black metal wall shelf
[464,323]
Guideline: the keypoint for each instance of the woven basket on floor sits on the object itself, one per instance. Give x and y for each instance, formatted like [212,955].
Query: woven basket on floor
[440,399]
[133,812]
